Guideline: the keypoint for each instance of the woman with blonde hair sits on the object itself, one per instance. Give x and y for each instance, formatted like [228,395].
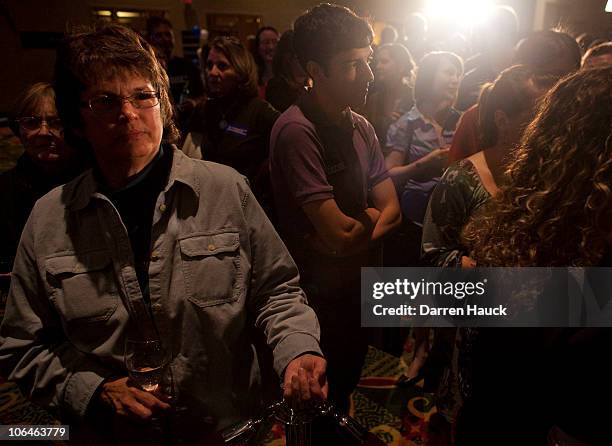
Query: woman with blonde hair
[233,125]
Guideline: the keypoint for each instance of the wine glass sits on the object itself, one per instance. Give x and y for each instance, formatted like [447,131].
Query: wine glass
[146,361]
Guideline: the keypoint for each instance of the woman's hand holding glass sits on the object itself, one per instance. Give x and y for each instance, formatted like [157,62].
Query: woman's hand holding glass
[143,393]
[130,401]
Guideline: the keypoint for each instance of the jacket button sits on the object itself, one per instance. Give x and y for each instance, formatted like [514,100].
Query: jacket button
[155,255]
[156,307]
[211,247]
[162,207]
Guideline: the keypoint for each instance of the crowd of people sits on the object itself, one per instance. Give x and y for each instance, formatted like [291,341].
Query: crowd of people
[158,201]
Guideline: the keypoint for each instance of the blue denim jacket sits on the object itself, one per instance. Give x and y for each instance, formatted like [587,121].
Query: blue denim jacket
[216,265]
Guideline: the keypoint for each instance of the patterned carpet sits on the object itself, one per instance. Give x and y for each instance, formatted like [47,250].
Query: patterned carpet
[398,416]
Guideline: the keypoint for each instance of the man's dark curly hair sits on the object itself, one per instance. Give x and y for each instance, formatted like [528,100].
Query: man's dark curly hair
[326,30]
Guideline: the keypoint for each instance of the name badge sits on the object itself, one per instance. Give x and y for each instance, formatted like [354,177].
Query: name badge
[237,130]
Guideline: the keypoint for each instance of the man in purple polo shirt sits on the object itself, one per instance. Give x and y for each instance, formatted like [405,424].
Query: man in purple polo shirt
[334,197]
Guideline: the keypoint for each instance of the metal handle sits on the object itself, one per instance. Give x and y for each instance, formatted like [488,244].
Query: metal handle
[298,426]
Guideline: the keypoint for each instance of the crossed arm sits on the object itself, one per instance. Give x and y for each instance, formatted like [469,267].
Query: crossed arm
[338,234]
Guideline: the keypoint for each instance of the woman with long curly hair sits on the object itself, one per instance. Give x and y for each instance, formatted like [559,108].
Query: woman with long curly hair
[547,386]
[557,207]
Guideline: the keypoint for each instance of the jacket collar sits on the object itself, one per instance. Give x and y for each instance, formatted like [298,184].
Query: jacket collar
[82,189]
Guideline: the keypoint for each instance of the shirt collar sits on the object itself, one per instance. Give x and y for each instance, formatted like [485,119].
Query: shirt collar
[415,115]
[85,187]
[315,115]
[182,171]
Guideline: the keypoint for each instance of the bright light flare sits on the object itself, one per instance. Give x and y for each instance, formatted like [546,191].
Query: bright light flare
[470,12]
[609,6]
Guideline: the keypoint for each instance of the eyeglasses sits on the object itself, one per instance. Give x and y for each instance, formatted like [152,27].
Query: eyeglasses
[106,104]
[33,123]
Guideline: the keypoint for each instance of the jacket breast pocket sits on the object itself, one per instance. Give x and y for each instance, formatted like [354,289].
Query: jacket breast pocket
[211,267]
[84,285]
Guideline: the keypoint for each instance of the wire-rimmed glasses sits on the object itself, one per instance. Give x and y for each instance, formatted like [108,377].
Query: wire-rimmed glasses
[109,104]
[34,123]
